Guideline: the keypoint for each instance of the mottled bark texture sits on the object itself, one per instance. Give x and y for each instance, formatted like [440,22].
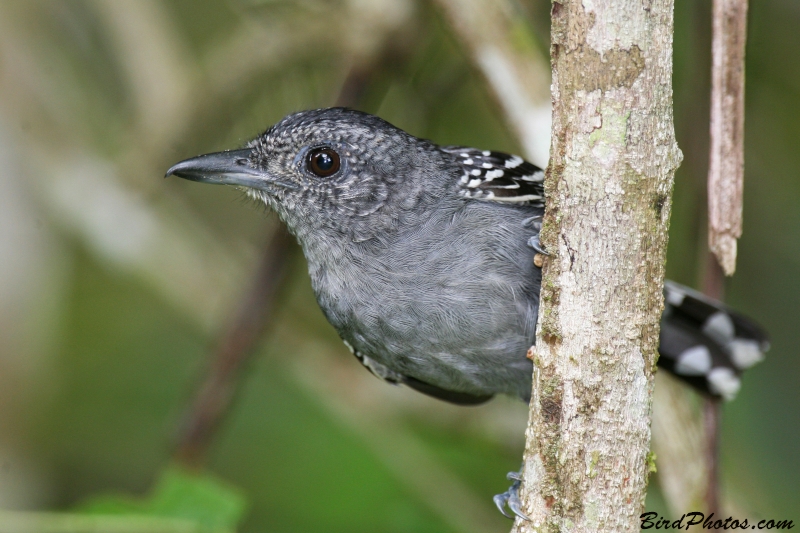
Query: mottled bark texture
[726,164]
[612,160]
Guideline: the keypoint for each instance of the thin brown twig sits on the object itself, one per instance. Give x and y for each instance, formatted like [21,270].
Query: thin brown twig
[712,411]
[713,286]
[215,395]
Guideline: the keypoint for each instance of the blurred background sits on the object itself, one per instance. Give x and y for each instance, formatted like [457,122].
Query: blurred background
[116,285]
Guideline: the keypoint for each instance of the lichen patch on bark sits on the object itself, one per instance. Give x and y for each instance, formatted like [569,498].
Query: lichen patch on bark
[591,71]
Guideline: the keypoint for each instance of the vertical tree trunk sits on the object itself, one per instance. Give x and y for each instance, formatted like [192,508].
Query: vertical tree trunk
[609,184]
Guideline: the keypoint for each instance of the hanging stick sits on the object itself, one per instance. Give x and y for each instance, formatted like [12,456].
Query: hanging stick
[725,183]
[726,165]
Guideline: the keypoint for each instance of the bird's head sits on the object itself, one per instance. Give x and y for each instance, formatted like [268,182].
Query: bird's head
[329,169]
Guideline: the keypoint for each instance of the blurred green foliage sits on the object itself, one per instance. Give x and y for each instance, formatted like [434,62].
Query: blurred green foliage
[180,502]
[202,500]
[101,352]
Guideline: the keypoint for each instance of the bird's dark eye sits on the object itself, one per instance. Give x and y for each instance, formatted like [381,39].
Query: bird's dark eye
[323,162]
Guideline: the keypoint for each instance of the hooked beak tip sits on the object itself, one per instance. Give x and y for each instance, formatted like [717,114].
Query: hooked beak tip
[228,167]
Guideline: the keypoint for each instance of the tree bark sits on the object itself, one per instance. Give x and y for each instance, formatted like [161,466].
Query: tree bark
[609,183]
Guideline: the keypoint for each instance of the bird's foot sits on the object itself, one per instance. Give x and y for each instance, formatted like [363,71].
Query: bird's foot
[533,222]
[510,498]
[534,243]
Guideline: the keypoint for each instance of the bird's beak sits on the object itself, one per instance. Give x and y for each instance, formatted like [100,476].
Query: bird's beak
[226,168]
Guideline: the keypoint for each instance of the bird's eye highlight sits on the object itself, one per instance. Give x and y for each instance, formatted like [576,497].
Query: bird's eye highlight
[323,162]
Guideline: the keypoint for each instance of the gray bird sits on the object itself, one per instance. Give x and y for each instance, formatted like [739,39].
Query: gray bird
[422,257]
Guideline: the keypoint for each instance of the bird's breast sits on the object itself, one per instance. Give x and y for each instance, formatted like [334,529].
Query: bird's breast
[452,306]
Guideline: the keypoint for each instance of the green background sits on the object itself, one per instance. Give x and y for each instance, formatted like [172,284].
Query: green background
[100,349]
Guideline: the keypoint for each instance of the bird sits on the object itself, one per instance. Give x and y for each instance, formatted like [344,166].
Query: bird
[426,260]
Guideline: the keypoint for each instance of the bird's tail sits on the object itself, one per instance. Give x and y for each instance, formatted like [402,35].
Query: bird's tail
[707,344]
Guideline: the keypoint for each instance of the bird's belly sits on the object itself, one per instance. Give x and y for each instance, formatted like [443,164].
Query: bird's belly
[447,337]
[455,313]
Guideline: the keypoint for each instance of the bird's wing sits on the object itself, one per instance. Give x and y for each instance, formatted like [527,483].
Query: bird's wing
[498,177]
[703,342]
[458,398]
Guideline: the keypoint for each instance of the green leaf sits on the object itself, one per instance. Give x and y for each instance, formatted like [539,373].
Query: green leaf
[213,505]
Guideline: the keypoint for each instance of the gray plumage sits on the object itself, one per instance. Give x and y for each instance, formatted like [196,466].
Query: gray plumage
[418,254]
[398,259]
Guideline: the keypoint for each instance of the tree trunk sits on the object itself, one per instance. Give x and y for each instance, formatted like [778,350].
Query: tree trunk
[609,183]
